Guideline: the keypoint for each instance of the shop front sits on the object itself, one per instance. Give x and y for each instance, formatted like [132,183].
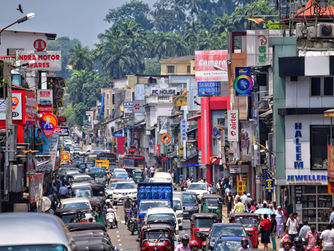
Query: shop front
[240,178]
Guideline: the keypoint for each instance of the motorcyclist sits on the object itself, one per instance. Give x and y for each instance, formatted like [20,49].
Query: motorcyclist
[127,203]
[299,244]
[109,206]
[286,245]
[244,244]
[184,246]
[194,246]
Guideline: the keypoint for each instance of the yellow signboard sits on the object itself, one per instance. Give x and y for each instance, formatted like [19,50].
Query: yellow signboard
[103,163]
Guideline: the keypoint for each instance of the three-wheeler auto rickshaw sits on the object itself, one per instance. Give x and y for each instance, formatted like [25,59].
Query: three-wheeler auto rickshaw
[250,223]
[212,203]
[156,237]
[201,224]
[138,176]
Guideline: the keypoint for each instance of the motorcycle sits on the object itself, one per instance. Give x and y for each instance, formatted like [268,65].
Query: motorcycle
[111,218]
[132,224]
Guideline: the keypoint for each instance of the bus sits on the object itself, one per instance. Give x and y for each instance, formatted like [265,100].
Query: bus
[131,162]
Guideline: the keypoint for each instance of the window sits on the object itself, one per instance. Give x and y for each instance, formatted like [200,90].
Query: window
[108,113]
[133,96]
[107,99]
[113,98]
[318,144]
[171,68]
[322,86]
[315,86]
[328,86]
[188,69]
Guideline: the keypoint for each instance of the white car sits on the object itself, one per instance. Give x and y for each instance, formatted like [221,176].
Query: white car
[178,209]
[162,215]
[199,188]
[163,175]
[122,190]
[76,203]
[119,170]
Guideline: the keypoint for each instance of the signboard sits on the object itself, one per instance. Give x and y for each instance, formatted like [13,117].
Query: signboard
[235,169]
[103,163]
[269,183]
[205,62]
[246,140]
[208,88]
[243,83]
[30,115]
[139,106]
[35,187]
[12,51]
[39,45]
[45,101]
[43,163]
[164,91]
[44,60]
[65,156]
[233,125]
[48,123]
[3,109]
[17,106]
[128,107]
[183,131]
[258,51]
[330,157]
[166,138]
[62,131]
[118,135]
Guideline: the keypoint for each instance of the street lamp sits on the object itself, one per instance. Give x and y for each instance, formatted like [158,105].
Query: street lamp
[20,20]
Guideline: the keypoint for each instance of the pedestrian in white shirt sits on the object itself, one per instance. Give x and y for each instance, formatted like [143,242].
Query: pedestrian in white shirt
[292,226]
[280,219]
[243,198]
[327,238]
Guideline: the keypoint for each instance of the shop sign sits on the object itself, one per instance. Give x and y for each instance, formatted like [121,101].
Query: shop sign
[243,83]
[128,107]
[269,183]
[43,60]
[246,140]
[35,187]
[65,156]
[17,106]
[166,138]
[39,45]
[170,92]
[235,169]
[3,109]
[62,131]
[330,157]
[183,130]
[45,101]
[306,179]
[208,88]
[298,164]
[205,61]
[48,123]
[233,125]
[30,108]
[258,51]
[139,106]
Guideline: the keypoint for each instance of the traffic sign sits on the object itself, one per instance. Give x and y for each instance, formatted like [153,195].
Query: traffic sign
[166,138]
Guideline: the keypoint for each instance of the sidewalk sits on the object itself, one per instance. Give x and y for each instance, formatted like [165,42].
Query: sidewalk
[225,219]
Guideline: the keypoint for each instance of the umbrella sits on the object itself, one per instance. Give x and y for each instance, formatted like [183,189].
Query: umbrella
[264,211]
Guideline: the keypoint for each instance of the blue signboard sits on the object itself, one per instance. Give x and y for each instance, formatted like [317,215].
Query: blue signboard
[118,135]
[243,82]
[208,88]
[269,183]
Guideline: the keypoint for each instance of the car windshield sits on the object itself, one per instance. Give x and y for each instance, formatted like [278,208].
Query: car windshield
[177,205]
[228,245]
[197,187]
[246,220]
[204,222]
[189,198]
[80,179]
[77,205]
[121,175]
[82,193]
[145,206]
[125,186]
[212,202]
[156,235]
[225,230]
[162,216]
[33,248]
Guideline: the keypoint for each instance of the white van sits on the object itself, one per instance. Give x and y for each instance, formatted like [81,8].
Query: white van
[162,176]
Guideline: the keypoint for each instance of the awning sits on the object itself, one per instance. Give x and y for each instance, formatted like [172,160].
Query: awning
[197,116]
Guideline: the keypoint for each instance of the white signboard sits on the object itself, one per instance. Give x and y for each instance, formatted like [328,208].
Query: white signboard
[44,97]
[3,109]
[233,125]
[139,106]
[40,60]
[183,136]
[17,106]
[128,107]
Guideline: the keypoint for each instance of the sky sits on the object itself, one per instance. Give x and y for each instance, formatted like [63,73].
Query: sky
[81,19]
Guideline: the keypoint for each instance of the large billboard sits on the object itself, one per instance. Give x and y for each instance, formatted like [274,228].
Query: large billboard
[205,63]
[40,60]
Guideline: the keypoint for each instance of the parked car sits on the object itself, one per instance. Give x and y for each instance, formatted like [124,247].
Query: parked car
[199,188]
[33,231]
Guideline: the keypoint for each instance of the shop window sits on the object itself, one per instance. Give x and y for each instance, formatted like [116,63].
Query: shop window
[113,99]
[318,143]
[188,69]
[171,68]
[328,86]
[315,86]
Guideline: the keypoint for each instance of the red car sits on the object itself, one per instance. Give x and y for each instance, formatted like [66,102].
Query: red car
[250,223]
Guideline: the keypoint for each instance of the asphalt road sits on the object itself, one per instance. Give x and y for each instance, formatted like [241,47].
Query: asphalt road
[122,238]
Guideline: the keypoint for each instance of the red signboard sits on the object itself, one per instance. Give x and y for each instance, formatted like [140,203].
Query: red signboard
[120,144]
[39,45]
[48,124]
[206,61]
[330,157]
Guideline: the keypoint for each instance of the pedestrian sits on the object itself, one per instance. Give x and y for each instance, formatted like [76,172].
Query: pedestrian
[304,229]
[280,219]
[188,182]
[218,187]
[327,238]
[210,189]
[259,204]
[298,241]
[265,228]
[239,207]
[243,198]
[292,226]
[286,245]
[229,202]
[248,201]
[244,244]
[312,238]
[152,171]
[99,216]
[331,216]
[273,224]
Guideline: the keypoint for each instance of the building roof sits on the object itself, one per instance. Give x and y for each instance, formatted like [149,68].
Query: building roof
[50,36]
[309,12]
[179,59]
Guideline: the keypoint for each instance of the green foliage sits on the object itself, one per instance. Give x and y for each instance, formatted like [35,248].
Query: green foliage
[152,66]
[70,115]
[80,58]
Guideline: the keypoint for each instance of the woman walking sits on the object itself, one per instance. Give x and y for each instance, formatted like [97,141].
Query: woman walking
[265,231]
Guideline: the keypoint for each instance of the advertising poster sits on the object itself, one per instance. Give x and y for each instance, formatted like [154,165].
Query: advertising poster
[330,157]
[28,136]
[35,187]
[246,140]
[17,106]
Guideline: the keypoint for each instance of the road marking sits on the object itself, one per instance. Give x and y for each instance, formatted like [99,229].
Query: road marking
[117,231]
[120,244]
[118,236]
[123,221]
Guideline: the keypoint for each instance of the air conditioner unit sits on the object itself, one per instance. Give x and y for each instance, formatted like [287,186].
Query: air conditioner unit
[312,32]
[301,30]
[325,30]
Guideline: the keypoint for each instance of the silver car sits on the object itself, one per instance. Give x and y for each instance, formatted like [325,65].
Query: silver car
[33,231]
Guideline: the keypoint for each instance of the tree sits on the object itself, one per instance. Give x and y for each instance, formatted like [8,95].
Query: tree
[134,10]
[80,58]
[70,115]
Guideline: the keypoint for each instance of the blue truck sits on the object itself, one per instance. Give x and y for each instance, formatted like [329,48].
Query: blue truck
[150,195]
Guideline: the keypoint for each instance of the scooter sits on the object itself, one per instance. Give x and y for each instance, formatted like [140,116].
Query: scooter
[111,218]
[132,225]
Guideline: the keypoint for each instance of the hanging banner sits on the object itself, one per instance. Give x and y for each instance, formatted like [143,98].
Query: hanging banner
[17,106]
[243,83]
[269,183]
[65,156]
[48,123]
[330,157]
[233,125]
[35,187]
